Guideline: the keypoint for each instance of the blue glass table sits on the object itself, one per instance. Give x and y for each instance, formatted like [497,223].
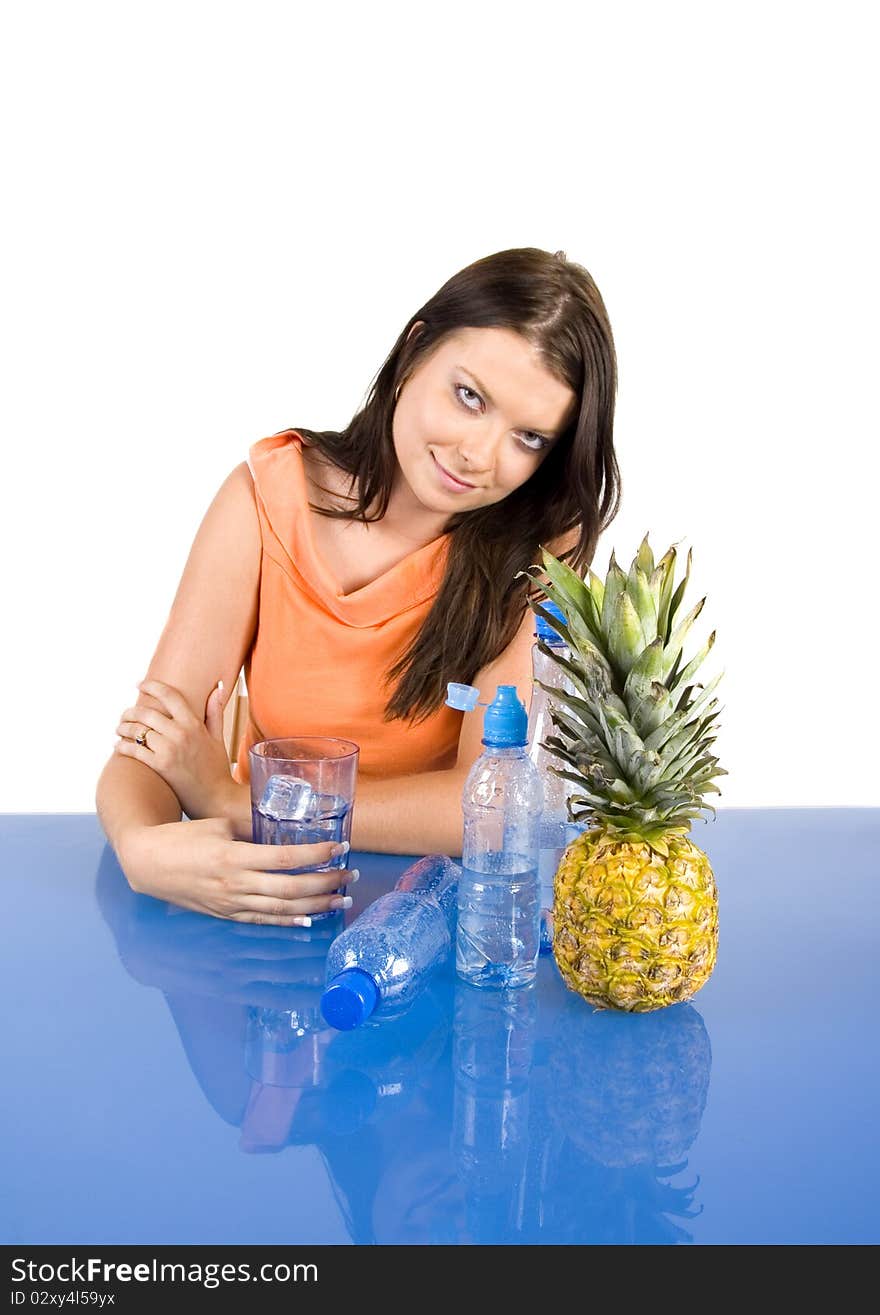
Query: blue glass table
[168,1078]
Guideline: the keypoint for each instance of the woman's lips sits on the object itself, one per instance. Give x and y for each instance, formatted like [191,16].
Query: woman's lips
[449,481]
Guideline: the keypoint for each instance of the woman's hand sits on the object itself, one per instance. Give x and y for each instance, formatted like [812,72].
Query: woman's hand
[200,866]
[185,751]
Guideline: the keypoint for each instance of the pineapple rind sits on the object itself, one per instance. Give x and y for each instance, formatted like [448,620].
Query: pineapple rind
[633,929]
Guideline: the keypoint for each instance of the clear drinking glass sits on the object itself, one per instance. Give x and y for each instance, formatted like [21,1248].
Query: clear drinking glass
[302,793]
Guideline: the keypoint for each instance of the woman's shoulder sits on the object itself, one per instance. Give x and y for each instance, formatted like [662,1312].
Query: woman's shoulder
[272,455]
[235,500]
[285,439]
[269,461]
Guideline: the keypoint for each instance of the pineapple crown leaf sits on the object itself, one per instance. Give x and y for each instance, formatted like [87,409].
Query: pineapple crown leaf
[625,636]
[591,681]
[676,642]
[636,730]
[692,666]
[644,559]
[677,596]
[639,589]
[566,579]
[673,680]
[662,581]
[615,585]
[649,663]
[597,589]
[577,630]
[559,626]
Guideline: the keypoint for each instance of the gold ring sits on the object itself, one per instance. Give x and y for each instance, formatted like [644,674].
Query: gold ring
[142,738]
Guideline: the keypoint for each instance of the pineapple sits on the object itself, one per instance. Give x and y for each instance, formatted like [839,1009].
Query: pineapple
[635,907]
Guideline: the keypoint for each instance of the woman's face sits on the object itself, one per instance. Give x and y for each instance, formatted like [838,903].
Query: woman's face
[481,410]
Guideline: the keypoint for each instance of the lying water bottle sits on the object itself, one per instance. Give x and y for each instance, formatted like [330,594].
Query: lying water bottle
[380,963]
[498,892]
[557,828]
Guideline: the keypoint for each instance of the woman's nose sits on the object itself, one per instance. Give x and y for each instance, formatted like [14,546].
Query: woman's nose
[477,453]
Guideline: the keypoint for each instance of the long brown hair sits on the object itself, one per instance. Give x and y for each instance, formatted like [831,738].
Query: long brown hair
[555,305]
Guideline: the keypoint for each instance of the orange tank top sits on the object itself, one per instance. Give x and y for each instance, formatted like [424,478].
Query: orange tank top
[320,657]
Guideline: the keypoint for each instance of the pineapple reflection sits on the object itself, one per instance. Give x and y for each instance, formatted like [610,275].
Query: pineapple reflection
[622,1100]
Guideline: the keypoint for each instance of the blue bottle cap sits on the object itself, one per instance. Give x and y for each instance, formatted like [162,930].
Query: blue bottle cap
[506,721]
[349,998]
[543,629]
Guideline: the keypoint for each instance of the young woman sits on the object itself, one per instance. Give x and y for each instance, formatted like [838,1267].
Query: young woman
[354,574]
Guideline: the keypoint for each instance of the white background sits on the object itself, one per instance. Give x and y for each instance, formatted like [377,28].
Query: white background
[218,217]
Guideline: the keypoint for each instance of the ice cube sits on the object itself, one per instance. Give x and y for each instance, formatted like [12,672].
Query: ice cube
[286,799]
[328,805]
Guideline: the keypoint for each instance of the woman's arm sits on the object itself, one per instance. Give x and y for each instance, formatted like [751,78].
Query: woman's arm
[200,865]
[129,795]
[206,637]
[213,618]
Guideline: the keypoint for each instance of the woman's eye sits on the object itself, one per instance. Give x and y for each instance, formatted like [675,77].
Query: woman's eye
[463,388]
[537,443]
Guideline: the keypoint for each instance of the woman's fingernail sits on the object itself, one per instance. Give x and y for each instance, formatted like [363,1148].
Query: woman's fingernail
[302,922]
[342,902]
[342,848]
[353,876]
[220,686]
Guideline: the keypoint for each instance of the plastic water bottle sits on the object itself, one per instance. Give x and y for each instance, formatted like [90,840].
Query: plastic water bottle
[557,829]
[380,963]
[498,893]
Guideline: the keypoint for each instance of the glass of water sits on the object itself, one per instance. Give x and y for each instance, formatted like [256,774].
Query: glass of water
[302,793]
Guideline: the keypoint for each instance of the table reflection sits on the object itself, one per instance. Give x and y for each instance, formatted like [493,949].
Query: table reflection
[476,1117]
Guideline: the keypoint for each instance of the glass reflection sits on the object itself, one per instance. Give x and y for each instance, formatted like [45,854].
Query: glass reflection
[517,1116]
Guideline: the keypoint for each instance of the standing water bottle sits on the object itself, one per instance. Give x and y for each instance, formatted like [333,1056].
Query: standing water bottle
[557,829]
[498,893]
[380,963]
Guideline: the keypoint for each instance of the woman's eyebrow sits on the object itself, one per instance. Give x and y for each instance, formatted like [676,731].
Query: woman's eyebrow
[544,433]
[482,387]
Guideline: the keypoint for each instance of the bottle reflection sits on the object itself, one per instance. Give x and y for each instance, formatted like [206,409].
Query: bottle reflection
[492,1055]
